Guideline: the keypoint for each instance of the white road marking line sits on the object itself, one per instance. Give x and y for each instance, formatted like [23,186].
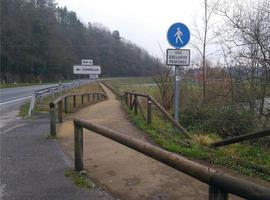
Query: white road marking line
[11,128]
[14,100]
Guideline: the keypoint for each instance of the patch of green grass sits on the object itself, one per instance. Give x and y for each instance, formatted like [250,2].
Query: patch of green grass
[24,109]
[79,180]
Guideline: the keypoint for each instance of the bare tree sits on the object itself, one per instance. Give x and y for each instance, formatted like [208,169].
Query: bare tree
[248,40]
[164,81]
[201,35]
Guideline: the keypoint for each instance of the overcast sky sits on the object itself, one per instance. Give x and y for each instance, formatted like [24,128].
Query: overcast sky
[144,22]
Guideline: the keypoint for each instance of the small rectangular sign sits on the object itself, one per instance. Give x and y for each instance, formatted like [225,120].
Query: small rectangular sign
[87,62]
[82,69]
[178,57]
[93,76]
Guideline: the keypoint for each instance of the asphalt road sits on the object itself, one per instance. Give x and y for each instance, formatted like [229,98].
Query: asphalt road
[10,94]
[12,98]
[33,167]
[10,101]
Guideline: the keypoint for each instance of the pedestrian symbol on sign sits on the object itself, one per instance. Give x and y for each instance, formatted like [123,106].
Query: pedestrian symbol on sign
[178,36]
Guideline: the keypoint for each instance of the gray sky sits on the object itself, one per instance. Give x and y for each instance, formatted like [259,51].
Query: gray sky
[144,22]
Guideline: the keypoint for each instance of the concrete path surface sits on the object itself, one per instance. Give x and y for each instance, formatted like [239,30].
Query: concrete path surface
[124,172]
[33,167]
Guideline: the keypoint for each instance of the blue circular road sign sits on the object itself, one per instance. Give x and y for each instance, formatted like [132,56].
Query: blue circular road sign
[178,35]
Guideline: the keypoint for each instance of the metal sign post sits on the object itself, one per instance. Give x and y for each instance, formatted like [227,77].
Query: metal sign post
[178,36]
[177,93]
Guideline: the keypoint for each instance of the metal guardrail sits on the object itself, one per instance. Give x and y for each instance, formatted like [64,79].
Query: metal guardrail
[50,90]
[62,103]
[220,184]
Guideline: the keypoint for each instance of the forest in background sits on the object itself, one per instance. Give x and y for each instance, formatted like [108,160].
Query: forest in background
[41,42]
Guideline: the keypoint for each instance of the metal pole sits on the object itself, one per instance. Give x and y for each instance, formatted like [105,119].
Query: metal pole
[176,95]
[149,117]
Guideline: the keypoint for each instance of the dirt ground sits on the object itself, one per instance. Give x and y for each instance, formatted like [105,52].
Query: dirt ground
[127,174]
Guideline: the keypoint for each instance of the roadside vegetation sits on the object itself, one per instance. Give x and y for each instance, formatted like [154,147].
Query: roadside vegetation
[42,103]
[206,124]
[80,180]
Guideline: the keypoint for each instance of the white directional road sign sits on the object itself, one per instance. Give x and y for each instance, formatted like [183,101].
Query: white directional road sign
[81,69]
[87,62]
[178,57]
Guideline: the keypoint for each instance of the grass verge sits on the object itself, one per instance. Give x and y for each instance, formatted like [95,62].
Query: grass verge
[24,109]
[80,180]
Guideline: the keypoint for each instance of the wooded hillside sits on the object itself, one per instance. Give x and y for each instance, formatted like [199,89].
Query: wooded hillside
[42,42]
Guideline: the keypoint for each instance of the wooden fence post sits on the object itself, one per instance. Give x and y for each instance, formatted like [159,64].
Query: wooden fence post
[149,111]
[126,98]
[135,105]
[130,101]
[52,120]
[217,194]
[82,99]
[74,101]
[60,111]
[65,105]
[88,97]
[78,146]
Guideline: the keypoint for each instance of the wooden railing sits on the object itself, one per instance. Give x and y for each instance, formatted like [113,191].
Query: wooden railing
[62,104]
[220,184]
[241,138]
[131,100]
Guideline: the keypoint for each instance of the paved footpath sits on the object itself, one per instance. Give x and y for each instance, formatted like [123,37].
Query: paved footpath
[33,167]
[125,173]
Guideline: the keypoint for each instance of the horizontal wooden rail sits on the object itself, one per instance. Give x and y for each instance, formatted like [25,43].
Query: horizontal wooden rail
[220,184]
[241,138]
[151,100]
[96,97]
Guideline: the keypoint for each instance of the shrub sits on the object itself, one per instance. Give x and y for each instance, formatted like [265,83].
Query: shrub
[226,121]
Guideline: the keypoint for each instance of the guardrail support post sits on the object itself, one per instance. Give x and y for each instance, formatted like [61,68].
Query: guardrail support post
[82,99]
[52,120]
[135,105]
[60,111]
[78,146]
[65,105]
[74,101]
[149,111]
[217,194]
